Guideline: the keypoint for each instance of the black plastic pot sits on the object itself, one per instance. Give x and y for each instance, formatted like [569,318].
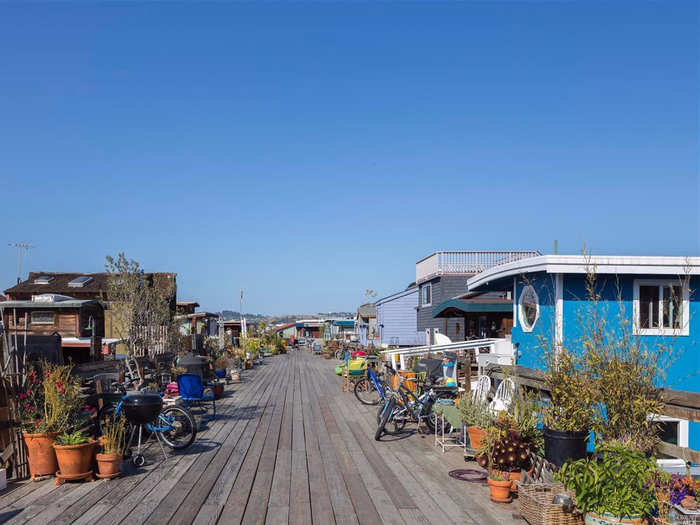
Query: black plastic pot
[560,445]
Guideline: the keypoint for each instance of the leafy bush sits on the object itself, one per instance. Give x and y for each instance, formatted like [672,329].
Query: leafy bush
[620,482]
[50,400]
[113,434]
[475,413]
[72,438]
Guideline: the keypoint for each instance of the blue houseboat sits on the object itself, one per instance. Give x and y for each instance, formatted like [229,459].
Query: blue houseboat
[657,296]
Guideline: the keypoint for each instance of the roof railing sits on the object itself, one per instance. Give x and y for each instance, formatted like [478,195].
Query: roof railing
[461,262]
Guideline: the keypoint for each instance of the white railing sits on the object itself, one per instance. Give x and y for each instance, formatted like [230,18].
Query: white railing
[496,347]
[465,262]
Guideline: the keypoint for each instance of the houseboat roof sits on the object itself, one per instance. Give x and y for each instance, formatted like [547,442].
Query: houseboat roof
[411,289]
[459,307]
[283,327]
[71,282]
[188,303]
[68,303]
[582,264]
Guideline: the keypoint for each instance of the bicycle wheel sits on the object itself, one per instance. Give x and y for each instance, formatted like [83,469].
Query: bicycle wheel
[386,415]
[181,427]
[366,393]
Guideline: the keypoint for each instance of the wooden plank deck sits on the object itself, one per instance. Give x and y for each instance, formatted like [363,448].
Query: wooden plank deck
[287,447]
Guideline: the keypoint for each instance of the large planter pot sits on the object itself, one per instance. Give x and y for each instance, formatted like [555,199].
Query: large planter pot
[108,465]
[608,519]
[41,454]
[560,445]
[74,461]
[500,490]
[476,436]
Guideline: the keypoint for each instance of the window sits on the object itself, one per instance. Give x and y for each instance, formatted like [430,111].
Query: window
[43,279]
[425,294]
[661,307]
[529,308]
[79,282]
[42,318]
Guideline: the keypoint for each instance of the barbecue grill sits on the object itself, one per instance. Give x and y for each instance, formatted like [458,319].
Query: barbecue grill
[139,410]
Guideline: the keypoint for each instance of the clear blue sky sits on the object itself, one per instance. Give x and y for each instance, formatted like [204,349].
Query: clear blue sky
[308,151]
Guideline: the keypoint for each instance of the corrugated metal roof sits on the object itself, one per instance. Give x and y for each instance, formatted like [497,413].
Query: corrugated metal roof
[72,303]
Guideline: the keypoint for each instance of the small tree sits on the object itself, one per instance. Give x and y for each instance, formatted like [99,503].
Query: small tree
[140,310]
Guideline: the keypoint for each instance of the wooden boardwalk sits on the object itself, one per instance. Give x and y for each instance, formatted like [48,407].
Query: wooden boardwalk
[287,447]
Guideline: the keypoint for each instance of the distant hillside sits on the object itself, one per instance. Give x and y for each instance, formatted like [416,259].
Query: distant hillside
[289,318]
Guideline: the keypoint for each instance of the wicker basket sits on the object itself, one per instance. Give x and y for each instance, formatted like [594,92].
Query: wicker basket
[536,505]
[676,515]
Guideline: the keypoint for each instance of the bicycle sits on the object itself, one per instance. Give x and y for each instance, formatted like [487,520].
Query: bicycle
[402,405]
[175,426]
[371,389]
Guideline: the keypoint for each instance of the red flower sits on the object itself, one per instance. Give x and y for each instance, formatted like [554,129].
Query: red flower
[22,395]
[59,384]
[27,406]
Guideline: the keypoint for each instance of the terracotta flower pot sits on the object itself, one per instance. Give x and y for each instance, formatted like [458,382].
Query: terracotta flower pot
[40,453]
[74,459]
[476,436]
[108,465]
[500,490]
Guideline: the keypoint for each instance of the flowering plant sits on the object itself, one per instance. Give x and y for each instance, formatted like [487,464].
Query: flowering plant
[49,400]
[681,487]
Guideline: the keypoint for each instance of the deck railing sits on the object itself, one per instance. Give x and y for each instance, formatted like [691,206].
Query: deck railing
[492,347]
[677,404]
[465,262]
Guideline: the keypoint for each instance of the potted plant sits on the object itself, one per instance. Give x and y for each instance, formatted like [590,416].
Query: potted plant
[45,408]
[477,417]
[615,487]
[506,449]
[112,442]
[220,366]
[74,454]
[568,415]
[499,487]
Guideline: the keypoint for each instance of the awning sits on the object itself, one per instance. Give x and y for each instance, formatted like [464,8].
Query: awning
[348,323]
[460,308]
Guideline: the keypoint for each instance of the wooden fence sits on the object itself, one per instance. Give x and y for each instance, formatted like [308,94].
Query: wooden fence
[678,404]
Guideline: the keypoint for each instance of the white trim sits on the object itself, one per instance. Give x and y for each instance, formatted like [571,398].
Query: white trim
[684,330]
[524,325]
[422,287]
[515,303]
[559,310]
[601,264]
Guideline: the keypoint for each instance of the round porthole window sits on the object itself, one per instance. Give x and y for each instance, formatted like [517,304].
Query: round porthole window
[529,308]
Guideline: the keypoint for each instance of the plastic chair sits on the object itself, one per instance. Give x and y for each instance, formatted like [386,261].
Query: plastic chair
[504,396]
[191,390]
[483,386]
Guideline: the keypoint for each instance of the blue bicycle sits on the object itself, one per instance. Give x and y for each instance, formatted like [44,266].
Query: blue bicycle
[173,425]
[370,390]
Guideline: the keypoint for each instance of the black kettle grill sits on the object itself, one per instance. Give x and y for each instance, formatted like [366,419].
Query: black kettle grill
[142,408]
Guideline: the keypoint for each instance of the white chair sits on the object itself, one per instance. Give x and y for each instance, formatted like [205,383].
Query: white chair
[482,388]
[504,396]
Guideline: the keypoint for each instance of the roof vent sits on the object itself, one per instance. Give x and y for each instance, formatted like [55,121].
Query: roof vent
[79,282]
[43,279]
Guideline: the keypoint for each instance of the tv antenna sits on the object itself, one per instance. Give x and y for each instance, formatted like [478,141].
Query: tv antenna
[20,246]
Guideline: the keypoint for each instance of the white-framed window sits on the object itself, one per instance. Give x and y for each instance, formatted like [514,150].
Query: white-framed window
[528,308]
[42,318]
[661,307]
[676,432]
[426,295]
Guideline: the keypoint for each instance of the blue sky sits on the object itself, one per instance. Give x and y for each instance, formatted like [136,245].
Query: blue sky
[308,151]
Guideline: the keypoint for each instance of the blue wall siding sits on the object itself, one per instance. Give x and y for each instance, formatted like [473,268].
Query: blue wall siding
[616,305]
[398,315]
